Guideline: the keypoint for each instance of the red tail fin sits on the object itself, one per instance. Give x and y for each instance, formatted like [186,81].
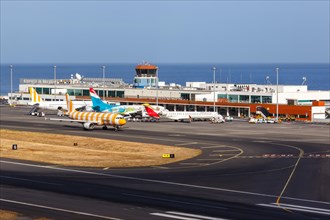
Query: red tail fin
[151,112]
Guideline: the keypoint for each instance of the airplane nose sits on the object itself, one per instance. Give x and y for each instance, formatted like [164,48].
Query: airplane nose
[122,122]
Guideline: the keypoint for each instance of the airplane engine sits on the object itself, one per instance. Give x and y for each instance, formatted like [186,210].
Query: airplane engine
[89,126]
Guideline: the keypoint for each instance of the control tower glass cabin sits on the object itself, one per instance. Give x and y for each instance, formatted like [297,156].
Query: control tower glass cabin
[146,76]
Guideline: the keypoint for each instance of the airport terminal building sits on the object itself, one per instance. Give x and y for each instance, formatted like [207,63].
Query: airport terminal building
[229,99]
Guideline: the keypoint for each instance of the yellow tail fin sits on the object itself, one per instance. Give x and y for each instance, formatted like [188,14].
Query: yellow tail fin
[69,103]
[34,96]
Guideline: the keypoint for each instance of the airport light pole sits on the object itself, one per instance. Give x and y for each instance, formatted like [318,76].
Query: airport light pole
[277,94]
[11,84]
[55,82]
[103,68]
[214,88]
[157,78]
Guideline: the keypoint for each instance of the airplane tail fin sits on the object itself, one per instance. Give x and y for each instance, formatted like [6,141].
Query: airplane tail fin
[69,103]
[150,111]
[98,104]
[35,97]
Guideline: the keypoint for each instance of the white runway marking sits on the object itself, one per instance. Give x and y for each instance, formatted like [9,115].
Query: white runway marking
[193,164]
[261,141]
[210,159]
[172,216]
[298,208]
[193,215]
[225,150]
[221,155]
[217,146]
[185,216]
[58,209]
[159,167]
[189,143]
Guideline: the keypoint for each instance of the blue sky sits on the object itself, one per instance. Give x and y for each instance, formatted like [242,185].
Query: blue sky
[164,31]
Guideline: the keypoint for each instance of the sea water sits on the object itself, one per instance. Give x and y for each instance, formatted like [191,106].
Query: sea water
[317,75]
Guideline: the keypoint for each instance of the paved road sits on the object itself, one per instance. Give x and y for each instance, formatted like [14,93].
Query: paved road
[262,171]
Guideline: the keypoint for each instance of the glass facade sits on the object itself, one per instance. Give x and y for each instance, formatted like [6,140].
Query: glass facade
[201,108]
[170,107]
[255,99]
[244,98]
[233,111]
[233,98]
[244,112]
[78,92]
[222,111]
[111,93]
[185,96]
[222,96]
[39,90]
[190,108]
[179,107]
[46,91]
[121,94]
[85,92]
[101,93]
[209,108]
[71,92]
[266,99]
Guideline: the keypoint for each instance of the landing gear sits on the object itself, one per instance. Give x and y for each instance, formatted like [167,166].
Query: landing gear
[60,113]
[116,128]
[39,114]
[104,128]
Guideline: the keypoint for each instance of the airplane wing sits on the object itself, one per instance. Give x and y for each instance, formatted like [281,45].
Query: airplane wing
[133,114]
[70,120]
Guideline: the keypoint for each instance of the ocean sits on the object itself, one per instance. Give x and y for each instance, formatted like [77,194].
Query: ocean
[289,74]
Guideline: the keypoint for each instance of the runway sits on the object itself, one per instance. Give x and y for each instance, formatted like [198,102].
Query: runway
[246,171]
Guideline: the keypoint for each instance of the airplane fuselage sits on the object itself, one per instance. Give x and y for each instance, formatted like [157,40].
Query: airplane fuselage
[181,115]
[59,105]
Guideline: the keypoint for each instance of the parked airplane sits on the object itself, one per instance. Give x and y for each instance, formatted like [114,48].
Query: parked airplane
[129,111]
[90,119]
[39,103]
[181,115]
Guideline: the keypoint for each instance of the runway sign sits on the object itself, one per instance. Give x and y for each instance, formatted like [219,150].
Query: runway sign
[168,155]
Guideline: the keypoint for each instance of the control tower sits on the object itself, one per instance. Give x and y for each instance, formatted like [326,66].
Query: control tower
[146,75]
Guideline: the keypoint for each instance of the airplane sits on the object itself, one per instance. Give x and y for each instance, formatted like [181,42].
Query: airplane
[90,119]
[128,111]
[181,115]
[39,103]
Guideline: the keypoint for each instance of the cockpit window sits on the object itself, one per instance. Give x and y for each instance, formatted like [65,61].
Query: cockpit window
[118,117]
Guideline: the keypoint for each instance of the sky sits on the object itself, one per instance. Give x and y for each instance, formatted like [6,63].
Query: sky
[165,31]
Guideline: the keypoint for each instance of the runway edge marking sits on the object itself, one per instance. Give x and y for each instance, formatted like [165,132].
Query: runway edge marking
[58,209]
[184,216]
[298,208]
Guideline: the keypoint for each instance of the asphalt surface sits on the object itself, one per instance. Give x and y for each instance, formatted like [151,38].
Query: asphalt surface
[246,171]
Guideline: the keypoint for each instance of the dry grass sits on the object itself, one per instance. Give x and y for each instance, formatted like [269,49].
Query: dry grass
[90,152]
[8,215]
